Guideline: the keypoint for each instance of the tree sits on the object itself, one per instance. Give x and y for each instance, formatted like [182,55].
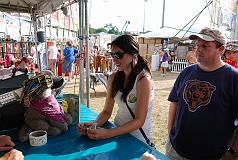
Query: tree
[111,29]
[108,28]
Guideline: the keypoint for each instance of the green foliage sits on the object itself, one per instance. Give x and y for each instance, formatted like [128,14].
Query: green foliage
[108,28]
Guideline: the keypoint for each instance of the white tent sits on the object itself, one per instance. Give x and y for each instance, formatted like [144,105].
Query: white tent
[169,33]
[39,7]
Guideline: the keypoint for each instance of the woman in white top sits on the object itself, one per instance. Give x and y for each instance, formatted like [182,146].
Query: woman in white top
[132,83]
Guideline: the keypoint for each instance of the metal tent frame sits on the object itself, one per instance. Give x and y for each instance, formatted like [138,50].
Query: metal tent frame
[38,8]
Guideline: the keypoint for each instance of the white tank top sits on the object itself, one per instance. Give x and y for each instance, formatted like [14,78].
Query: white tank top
[123,115]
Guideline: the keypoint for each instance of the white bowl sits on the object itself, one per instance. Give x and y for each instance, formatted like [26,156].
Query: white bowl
[38,138]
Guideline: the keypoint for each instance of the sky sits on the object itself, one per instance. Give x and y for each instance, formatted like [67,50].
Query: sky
[177,13]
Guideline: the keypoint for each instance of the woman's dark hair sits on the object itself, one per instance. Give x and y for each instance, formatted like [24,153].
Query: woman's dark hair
[129,45]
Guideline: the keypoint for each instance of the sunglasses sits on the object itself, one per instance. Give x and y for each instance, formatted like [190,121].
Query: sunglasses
[117,55]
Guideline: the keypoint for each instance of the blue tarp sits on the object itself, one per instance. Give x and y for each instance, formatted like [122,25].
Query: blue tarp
[72,146]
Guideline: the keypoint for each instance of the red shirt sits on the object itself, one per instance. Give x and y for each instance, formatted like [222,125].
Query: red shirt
[232,63]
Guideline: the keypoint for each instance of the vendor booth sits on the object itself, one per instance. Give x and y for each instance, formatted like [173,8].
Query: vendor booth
[152,43]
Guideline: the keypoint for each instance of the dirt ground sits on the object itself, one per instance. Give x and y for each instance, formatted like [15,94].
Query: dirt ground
[162,88]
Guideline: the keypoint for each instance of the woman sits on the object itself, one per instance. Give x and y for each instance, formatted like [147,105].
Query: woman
[69,58]
[191,56]
[132,85]
[164,63]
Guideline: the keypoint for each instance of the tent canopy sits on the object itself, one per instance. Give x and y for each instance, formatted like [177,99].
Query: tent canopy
[169,33]
[39,7]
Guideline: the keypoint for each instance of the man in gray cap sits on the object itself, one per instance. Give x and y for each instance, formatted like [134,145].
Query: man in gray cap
[204,104]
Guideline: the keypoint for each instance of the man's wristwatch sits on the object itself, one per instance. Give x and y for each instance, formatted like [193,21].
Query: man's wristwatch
[233,152]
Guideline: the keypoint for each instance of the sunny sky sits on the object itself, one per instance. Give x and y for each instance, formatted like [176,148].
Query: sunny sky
[177,13]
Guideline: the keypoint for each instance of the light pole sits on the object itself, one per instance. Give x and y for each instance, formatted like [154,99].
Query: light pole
[125,26]
[144,16]
[163,14]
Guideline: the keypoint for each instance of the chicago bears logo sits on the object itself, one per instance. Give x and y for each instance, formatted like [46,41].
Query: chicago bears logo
[197,93]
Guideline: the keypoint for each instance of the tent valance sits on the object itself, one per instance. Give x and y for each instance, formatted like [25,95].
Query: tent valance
[40,7]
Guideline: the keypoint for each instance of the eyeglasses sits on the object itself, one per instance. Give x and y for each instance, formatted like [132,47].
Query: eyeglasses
[117,55]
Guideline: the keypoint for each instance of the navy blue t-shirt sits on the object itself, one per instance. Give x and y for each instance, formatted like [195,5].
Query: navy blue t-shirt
[207,106]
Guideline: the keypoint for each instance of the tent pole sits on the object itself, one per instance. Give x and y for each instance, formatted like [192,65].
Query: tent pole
[46,46]
[81,85]
[34,22]
[87,53]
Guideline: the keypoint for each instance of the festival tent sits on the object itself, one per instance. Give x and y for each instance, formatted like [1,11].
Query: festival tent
[37,7]
[170,33]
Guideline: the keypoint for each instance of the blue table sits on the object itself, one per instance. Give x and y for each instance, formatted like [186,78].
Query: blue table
[72,146]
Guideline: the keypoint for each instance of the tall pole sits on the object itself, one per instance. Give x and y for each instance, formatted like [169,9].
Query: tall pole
[87,53]
[81,82]
[144,17]
[34,22]
[46,46]
[163,14]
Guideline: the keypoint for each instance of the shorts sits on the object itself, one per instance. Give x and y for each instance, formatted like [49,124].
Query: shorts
[165,64]
[67,66]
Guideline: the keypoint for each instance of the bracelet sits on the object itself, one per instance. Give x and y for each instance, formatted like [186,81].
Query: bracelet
[233,152]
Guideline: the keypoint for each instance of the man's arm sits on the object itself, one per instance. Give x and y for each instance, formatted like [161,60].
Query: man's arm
[235,141]
[171,115]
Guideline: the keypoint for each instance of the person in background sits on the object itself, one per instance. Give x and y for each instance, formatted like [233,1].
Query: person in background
[191,56]
[204,104]
[131,87]
[231,55]
[77,60]
[164,62]
[77,63]
[69,58]
[59,60]
[53,52]
[34,54]
[6,145]
[42,56]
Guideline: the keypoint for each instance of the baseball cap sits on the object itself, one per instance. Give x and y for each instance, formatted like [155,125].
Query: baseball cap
[232,47]
[208,34]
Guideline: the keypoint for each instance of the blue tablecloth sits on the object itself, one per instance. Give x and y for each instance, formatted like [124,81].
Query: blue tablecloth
[72,146]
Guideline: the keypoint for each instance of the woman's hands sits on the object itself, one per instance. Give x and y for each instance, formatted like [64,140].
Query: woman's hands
[83,127]
[99,133]
[92,131]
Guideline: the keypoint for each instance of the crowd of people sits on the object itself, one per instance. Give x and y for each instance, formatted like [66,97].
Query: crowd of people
[56,57]
[203,113]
